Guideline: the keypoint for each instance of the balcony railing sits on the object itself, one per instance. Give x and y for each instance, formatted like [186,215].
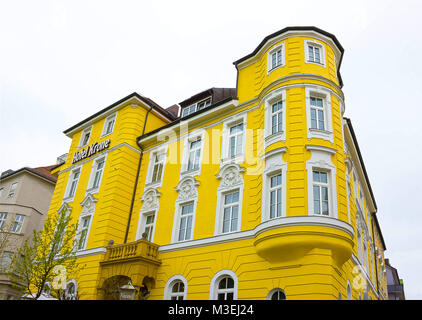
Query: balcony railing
[395,288]
[137,249]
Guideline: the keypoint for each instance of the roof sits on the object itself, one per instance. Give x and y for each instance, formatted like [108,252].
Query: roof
[220,96]
[146,100]
[43,172]
[297,28]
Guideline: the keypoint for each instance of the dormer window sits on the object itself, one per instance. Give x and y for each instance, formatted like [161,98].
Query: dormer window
[196,107]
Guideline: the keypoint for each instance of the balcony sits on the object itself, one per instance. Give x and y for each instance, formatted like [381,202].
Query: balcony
[136,262]
[140,249]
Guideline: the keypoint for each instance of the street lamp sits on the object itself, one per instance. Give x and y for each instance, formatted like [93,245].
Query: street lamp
[127,292]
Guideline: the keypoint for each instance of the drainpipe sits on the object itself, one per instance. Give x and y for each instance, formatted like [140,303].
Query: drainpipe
[375,258]
[136,180]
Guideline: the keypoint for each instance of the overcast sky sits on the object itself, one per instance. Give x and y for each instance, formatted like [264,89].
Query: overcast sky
[61,61]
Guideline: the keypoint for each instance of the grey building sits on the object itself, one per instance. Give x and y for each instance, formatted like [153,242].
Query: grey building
[394,283]
[25,196]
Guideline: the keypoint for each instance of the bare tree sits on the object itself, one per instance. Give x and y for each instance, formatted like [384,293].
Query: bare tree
[49,256]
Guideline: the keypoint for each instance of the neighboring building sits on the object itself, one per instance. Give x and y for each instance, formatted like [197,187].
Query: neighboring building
[25,195]
[253,192]
[394,283]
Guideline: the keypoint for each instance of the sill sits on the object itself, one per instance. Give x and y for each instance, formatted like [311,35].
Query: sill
[237,159]
[192,172]
[156,184]
[105,135]
[271,70]
[93,190]
[68,199]
[317,63]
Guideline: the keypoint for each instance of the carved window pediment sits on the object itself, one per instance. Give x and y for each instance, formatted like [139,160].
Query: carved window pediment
[230,176]
[150,199]
[187,189]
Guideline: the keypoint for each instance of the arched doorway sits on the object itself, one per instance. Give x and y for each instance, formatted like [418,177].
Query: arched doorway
[111,287]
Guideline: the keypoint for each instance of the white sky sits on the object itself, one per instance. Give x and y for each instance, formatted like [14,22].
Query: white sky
[61,61]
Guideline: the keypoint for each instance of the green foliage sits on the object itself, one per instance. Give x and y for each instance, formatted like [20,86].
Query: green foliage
[49,256]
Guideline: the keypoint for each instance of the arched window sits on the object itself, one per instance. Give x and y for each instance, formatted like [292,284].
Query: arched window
[224,286]
[177,291]
[176,288]
[276,294]
[225,289]
[349,291]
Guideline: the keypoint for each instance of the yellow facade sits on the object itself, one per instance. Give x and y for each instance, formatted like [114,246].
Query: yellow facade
[304,254]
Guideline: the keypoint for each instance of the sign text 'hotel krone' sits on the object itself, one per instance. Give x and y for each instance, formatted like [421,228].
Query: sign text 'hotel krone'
[91,150]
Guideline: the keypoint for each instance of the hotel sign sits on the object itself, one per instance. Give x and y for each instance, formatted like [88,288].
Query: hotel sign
[91,150]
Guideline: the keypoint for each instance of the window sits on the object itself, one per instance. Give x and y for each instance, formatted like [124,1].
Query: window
[196,107]
[176,288]
[235,140]
[177,291]
[185,226]
[158,167]
[276,294]
[349,291]
[314,52]
[275,58]
[230,212]
[275,196]
[98,173]
[109,125]
[86,134]
[225,289]
[321,176]
[12,190]
[224,286]
[1,191]
[194,155]
[317,114]
[18,223]
[320,192]
[277,117]
[149,226]
[74,178]
[84,232]
[5,261]
[3,217]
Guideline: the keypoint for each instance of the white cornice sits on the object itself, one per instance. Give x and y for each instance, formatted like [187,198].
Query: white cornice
[288,34]
[263,227]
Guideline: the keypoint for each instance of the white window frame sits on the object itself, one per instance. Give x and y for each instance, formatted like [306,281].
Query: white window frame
[107,120]
[12,190]
[321,161]
[3,219]
[87,211]
[195,107]
[19,220]
[325,95]
[150,206]
[231,206]
[320,185]
[194,136]
[180,216]
[274,165]
[169,286]
[91,188]
[270,67]
[81,230]
[321,47]
[65,293]
[349,291]
[149,226]
[222,191]
[225,147]
[1,191]
[151,165]
[67,196]
[278,95]
[216,280]
[83,134]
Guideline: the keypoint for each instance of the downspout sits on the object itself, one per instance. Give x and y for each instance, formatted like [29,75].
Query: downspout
[136,179]
[375,258]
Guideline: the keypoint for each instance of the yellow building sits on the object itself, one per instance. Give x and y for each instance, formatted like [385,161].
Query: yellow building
[253,192]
